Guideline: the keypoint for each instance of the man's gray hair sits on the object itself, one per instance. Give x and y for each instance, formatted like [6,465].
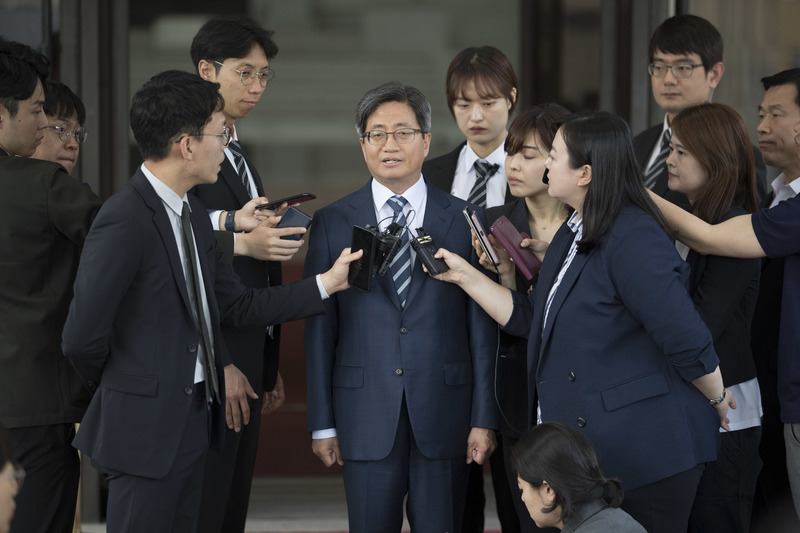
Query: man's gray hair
[393,92]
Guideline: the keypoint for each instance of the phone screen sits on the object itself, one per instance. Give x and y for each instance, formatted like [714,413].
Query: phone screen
[477,227]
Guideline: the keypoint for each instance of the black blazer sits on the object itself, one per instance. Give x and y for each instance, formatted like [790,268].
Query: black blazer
[724,291]
[645,142]
[45,216]
[252,350]
[131,335]
[441,171]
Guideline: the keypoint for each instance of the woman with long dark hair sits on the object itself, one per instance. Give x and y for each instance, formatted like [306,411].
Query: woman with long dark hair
[563,486]
[711,162]
[615,346]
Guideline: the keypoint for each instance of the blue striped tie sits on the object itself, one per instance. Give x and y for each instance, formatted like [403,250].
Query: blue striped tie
[401,266]
[657,167]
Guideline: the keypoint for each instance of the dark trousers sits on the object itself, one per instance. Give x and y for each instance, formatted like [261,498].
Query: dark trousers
[664,506]
[526,523]
[229,476]
[474,517]
[724,500]
[375,489]
[46,502]
[170,504]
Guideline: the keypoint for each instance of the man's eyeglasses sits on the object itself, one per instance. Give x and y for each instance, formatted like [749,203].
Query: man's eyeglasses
[226,136]
[17,475]
[64,134]
[401,136]
[248,76]
[681,70]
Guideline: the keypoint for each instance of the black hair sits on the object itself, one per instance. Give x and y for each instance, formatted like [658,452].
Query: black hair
[784,77]
[61,102]
[564,458]
[21,67]
[543,120]
[230,37]
[169,104]
[602,140]
[488,69]
[393,91]
[688,34]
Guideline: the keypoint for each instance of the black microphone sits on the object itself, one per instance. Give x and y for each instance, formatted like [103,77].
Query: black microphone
[545,179]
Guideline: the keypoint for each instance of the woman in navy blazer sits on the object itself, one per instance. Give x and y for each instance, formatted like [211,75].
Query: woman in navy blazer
[615,346]
[711,162]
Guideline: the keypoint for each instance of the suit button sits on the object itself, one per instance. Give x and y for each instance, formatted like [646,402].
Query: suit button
[404,330]
[571,376]
[581,422]
[398,371]
[188,391]
[192,348]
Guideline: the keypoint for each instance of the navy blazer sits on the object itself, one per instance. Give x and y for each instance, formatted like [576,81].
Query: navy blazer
[367,353]
[131,335]
[621,345]
[253,351]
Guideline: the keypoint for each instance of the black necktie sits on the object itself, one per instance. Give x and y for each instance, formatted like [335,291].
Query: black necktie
[238,159]
[657,167]
[194,283]
[483,170]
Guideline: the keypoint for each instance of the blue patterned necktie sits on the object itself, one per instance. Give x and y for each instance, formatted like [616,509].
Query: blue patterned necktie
[657,167]
[401,265]
[483,170]
[238,159]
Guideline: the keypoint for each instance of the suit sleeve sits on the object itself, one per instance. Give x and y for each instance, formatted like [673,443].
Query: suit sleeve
[108,265]
[321,334]
[71,206]
[645,269]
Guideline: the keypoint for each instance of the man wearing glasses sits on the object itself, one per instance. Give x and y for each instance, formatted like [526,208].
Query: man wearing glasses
[685,55]
[236,53]
[143,327]
[65,132]
[45,215]
[400,377]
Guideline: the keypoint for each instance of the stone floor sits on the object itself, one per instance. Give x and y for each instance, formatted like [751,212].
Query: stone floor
[308,503]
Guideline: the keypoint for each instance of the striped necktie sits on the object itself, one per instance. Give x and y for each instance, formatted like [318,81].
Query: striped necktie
[238,160]
[657,167]
[483,170]
[401,265]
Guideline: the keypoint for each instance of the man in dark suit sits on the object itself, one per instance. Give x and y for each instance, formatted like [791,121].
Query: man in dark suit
[45,215]
[143,327]
[778,112]
[400,377]
[685,55]
[235,53]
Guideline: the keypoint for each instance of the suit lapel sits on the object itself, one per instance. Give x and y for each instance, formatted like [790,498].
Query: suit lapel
[164,228]
[229,176]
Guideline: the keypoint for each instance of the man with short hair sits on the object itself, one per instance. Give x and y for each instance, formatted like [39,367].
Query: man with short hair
[778,112]
[400,377]
[65,131]
[45,215]
[143,327]
[236,53]
[685,55]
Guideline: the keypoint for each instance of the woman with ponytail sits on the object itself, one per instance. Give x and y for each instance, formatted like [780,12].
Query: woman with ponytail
[563,486]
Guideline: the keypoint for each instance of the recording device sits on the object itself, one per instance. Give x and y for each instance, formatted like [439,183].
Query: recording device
[477,228]
[426,249]
[379,251]
[291,200]
[545,177]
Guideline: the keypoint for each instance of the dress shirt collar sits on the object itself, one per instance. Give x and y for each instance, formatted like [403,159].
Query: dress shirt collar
[575,224]
[416,195]
[167,195]
[468,158]
[780,182]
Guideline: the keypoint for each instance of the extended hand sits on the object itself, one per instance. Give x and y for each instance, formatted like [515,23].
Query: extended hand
[480,445]
[536,246]
[248,217]
[327,450]
[274,398]
[237,391]
[460,269]
[335,279]
[265,243]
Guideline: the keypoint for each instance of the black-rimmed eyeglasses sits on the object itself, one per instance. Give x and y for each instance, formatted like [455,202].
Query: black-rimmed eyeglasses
[65,134]
[225,135]
[401,136]
[247,76]
[681,70]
